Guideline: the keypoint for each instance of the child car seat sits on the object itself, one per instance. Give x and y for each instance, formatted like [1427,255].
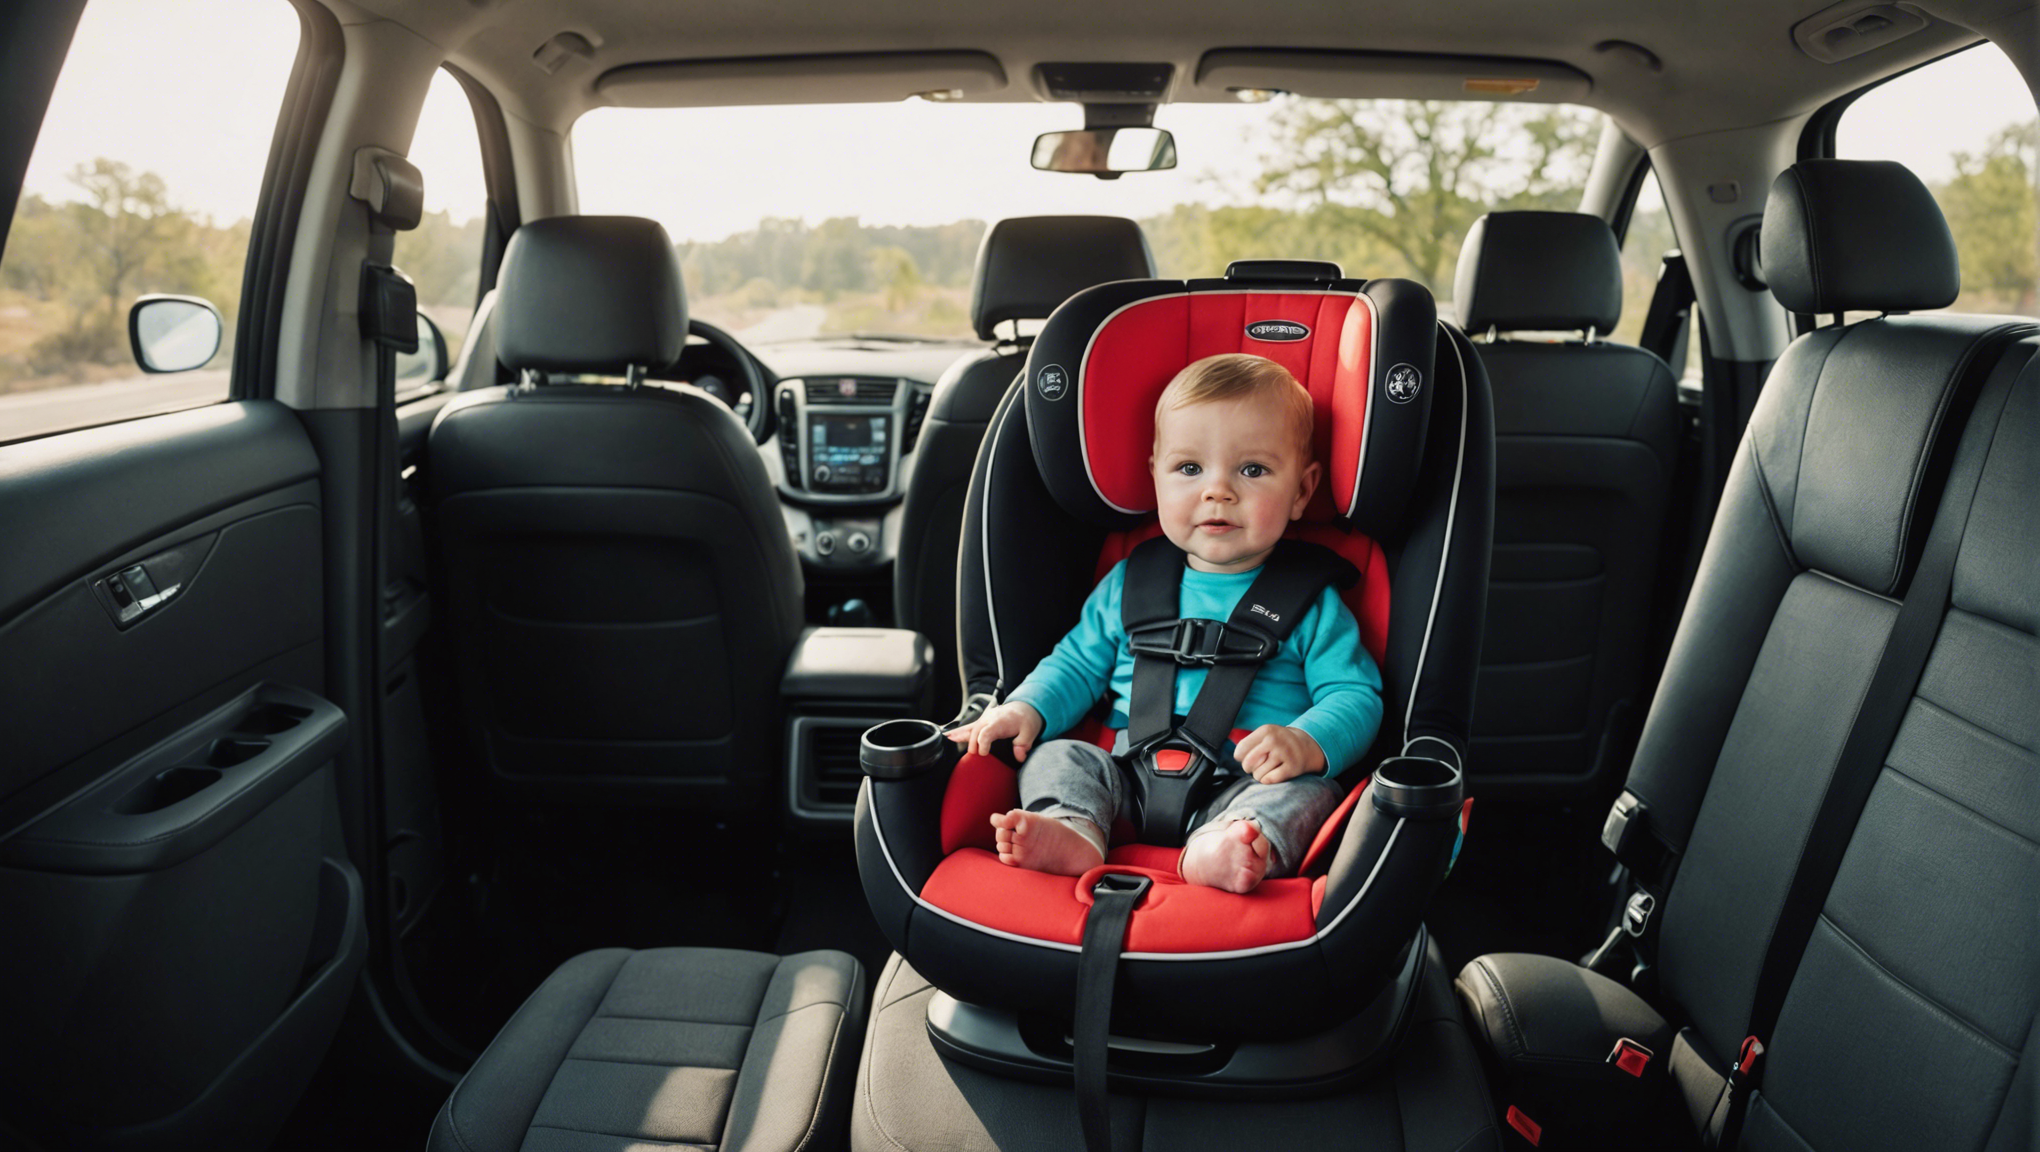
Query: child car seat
[1061,492]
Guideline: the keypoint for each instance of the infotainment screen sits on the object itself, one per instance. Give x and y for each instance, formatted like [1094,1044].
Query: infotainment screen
[847,453]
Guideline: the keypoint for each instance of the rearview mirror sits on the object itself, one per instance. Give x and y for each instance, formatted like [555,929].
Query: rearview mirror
[1105,152]
[174,333]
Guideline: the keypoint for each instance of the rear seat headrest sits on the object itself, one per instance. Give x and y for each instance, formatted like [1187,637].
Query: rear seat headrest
[1539,272]
[1365,353]
[1857,236]
[1029,265]
[590,294]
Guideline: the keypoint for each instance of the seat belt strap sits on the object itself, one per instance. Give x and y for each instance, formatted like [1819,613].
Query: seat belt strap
[1671,302]
[1880,713]
[1114,898]
[1294,576]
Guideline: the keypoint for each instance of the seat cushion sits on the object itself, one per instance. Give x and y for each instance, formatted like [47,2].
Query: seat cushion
[670,1047]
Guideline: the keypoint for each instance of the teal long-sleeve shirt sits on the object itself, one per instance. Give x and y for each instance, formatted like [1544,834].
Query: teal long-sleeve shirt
[1322,681]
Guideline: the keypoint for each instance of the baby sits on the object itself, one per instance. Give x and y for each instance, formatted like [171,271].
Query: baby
[1232,466]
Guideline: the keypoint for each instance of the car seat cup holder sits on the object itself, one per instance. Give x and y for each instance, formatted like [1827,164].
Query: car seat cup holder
[1417,788]
[904,749]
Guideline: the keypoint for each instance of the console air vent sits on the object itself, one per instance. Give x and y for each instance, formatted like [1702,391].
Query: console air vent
[833,752]
[851,390]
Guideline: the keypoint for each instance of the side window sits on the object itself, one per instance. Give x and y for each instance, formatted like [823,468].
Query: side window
[443,254]
[1650,236]
[1966,126]
[144,180]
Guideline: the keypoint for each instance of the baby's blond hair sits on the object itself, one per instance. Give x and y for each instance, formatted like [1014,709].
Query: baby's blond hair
[1239,376]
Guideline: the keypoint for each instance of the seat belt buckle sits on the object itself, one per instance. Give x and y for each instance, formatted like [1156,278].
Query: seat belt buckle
[1636,916]
[1128,883]
[1630,1057]
[1195,642]
[1745,1068]
[1525,1127]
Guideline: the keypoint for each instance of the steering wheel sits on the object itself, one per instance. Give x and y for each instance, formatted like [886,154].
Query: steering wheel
[757,415]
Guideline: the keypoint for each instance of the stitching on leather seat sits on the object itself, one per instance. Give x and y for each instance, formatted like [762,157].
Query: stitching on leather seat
[1502,998]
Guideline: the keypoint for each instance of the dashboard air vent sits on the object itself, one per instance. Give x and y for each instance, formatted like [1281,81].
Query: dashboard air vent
[850,390]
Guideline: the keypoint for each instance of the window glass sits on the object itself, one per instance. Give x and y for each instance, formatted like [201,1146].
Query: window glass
[143,180]
[1966,126]
[443,254]
[799,223]
[1643,253]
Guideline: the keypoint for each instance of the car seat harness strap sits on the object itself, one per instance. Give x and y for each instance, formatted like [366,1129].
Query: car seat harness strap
[1169,788]
[1114,898]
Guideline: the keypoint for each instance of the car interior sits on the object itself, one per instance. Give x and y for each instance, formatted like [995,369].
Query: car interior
[478,674]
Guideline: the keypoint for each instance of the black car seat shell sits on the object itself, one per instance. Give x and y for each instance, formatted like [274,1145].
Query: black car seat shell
[624,594]
[1026,267]
[1060,492]
[1908,1019]
[1586,436]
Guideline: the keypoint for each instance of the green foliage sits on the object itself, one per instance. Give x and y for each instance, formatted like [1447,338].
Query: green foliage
[1992,210]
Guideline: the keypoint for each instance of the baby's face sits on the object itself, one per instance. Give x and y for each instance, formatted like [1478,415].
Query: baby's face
[1229,477]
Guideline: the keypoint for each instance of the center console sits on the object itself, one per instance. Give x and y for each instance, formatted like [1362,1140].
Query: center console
[841,439]
[839,682]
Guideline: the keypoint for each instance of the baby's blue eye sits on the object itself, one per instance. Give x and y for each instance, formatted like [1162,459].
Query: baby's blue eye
[1252,470]
[1189,469]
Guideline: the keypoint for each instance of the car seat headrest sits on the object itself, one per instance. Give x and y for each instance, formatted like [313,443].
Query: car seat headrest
[1364,352]
[1539,272]
[1028,265]
[1857,236]
[590,294]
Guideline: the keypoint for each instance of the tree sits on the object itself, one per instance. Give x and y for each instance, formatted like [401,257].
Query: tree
[1421,171]
[1991,208]
[128,219]
[895,270]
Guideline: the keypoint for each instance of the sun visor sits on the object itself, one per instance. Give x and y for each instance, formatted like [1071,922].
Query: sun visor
[1391,75]
[861,78]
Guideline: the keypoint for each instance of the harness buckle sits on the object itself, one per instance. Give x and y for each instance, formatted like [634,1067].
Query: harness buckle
[1200,643]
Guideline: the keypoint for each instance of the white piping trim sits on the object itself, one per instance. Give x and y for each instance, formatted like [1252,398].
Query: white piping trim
[1367,396]
[1084,364]
[1058,945]
[985,548]
[1436,740]
[1445,546]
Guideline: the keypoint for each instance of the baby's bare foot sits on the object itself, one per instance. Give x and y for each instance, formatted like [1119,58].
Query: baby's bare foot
[1043,844]
[1234,858]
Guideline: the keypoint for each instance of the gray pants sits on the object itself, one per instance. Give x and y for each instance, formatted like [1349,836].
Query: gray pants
[1065,778]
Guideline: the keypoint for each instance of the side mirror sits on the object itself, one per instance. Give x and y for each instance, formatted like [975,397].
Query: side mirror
[1105,152]
[174,333]
[429,364]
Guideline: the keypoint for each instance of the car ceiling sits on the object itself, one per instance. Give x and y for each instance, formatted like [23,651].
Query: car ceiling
[1720,65]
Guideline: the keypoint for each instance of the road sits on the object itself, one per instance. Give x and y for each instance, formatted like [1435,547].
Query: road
[55,409]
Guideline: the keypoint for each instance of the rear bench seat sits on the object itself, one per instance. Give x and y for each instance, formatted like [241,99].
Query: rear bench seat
[688,1048]
[1908,1021]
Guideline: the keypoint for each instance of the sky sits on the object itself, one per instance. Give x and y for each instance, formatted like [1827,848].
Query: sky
[142,71]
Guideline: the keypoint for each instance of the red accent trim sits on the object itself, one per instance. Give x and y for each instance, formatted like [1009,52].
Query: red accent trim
[1367,599]
[1134,355]
[1630,1056]
[979,788]
[1525,1127]
[1175,916]
[1334,827]
[1752,1048]
[1171,760]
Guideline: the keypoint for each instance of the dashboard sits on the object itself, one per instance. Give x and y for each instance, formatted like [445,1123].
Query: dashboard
[846,414]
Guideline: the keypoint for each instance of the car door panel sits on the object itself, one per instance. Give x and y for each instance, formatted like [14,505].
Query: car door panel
[168,813]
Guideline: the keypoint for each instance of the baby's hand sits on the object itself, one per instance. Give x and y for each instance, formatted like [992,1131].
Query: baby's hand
[1273,753]
[1015,721]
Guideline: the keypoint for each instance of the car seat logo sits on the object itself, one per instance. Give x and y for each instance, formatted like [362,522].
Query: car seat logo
[1403,383]
[1275,616]
[1052,381]
[1278,331]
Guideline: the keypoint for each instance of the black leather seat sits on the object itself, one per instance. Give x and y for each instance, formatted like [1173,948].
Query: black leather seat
[1909,1019]
[1026,267]
[1586,435]
[668,1048]
[624,592]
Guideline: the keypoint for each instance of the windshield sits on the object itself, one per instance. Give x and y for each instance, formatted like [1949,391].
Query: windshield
[801,222]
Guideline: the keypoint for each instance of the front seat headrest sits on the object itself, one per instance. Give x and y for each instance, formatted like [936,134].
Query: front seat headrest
[1539,272]
[590,294]
[1857,236]
[1028,265]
